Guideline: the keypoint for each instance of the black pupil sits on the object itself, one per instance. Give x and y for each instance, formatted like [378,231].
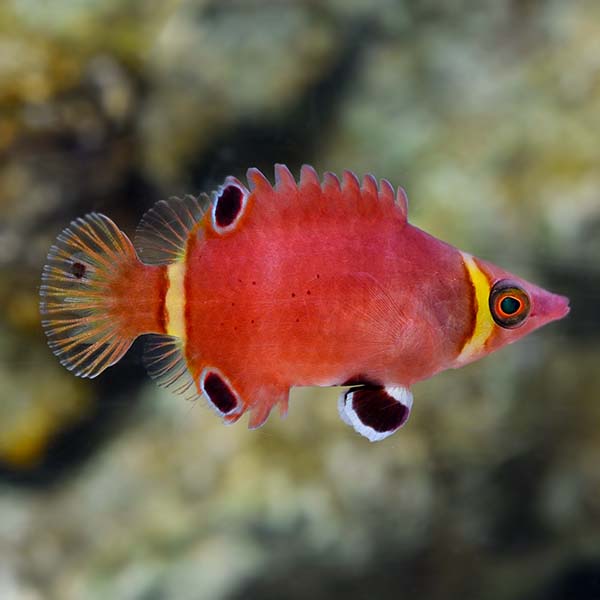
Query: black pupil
[510,305]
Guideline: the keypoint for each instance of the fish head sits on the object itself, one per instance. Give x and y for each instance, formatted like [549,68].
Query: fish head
[507,308]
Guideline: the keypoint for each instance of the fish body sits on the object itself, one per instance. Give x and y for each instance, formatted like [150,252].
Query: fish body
[269,287]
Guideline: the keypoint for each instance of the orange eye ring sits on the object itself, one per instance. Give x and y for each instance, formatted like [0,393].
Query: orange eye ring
[509,304]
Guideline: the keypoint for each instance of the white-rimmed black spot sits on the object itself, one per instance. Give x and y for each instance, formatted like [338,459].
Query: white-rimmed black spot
[378,410]
[229,203]
[375,411]
[219,393]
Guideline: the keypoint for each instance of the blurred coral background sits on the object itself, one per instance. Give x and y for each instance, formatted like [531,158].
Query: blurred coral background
[488,113]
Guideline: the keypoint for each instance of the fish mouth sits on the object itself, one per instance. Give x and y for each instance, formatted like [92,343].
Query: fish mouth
[550,307]
[564,309]
[558,307]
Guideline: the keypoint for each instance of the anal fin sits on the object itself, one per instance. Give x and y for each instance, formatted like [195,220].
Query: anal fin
[230,397]
[374,411]
[165,362]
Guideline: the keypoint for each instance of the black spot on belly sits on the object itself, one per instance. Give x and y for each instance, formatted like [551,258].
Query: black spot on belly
[229,204]
[376,409]
[219,393]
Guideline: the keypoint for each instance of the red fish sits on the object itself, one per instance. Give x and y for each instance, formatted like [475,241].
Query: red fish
[267,287]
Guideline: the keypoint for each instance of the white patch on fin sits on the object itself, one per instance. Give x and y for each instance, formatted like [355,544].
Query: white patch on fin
[342,409]
[372,411]
[162,235]
[229,203]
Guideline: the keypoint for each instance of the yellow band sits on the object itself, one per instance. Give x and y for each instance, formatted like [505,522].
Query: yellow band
[175,300]
[484,324]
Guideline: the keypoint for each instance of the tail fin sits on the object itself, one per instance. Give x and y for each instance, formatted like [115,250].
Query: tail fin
[97,297]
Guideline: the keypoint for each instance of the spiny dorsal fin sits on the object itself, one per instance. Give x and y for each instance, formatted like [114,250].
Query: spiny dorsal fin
[349,189]
[402,201]
[165,362]
[162,235]
[284,180]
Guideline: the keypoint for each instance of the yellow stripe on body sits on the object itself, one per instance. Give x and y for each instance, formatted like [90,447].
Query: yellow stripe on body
[484,324]
[175,300]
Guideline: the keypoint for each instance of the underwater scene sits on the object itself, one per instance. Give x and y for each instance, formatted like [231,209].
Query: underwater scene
[487,114]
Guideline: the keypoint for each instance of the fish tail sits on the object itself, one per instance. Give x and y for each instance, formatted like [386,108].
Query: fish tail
[97,296]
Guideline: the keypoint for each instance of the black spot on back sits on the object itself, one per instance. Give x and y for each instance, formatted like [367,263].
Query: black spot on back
[78,270]
[378,410]
[219,393]
[229,204]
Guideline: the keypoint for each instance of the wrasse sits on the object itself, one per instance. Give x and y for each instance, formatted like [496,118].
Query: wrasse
[264,287]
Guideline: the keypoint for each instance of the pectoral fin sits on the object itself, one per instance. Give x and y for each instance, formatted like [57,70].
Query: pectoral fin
[375,412]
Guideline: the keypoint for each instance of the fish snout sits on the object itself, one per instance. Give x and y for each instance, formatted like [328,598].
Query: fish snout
[551,307]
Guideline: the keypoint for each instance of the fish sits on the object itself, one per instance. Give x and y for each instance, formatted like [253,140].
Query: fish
[260,287]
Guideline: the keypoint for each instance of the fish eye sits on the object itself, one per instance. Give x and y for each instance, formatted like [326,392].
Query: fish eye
[509,304]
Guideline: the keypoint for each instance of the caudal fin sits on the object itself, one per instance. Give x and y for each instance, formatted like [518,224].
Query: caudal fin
[96,296]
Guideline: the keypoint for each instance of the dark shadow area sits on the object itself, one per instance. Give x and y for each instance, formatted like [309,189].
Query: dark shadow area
[292,137]
[578,581]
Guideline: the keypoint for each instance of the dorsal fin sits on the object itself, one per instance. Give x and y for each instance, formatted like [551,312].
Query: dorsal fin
[309,177]
[349,192]
[350,184]
[284,180]
[165,362]
[402,201]
[386,192]
[162,235]
[331,183]
[257,181]
[369,187]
